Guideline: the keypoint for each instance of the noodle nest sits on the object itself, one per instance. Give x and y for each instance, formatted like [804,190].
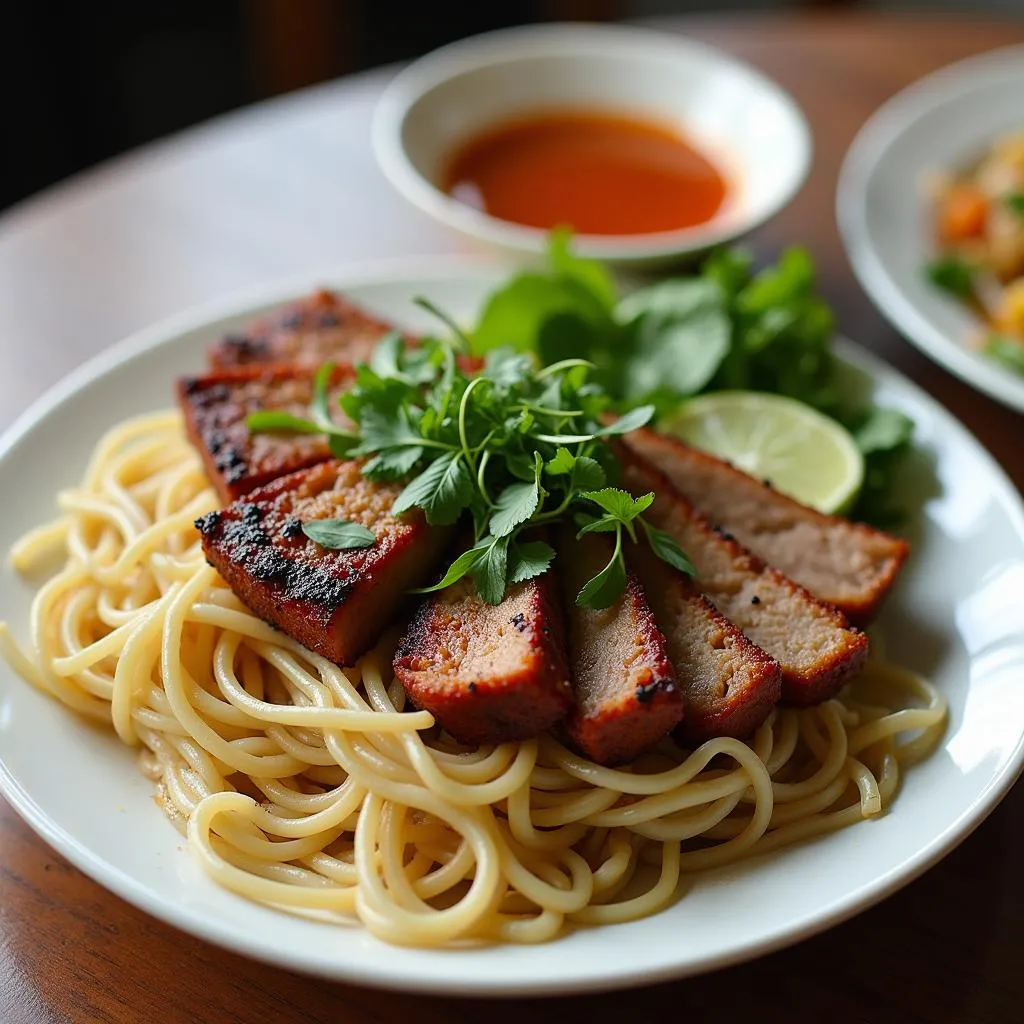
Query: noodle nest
[314,788]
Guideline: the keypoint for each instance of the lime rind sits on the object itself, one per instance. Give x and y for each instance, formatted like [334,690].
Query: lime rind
[804,453]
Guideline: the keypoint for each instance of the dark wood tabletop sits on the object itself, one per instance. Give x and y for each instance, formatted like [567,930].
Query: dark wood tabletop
[291,185]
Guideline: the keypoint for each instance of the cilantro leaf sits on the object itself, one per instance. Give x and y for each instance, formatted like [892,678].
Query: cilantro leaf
[529,559]
[320,408]
[562,463]
[664,545]
[592,275]
[1008,351]
[443,490]
[632,420]
[339,534]
[618,503]
[952,274]
[588,474]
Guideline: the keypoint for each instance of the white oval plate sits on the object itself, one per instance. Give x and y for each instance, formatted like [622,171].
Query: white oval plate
[956,615]
[885,216]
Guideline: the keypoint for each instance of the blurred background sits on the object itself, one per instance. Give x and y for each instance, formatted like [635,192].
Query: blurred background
[85,81]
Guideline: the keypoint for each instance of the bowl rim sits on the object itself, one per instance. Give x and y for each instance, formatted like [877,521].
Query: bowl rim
[427,73]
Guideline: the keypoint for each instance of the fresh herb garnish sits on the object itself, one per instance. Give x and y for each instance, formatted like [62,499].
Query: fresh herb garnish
[952,274]
[508,447]
[725,327]
[339,534]
[1005,350]
[1015,202]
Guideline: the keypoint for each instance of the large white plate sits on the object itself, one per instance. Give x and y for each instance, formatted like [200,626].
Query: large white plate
[957,616]
[885,216]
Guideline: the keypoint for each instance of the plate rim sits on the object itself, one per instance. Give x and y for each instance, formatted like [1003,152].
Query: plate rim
[870,144]
[479,984]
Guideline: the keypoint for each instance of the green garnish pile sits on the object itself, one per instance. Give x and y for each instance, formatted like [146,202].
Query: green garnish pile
[509,426]
[507,445]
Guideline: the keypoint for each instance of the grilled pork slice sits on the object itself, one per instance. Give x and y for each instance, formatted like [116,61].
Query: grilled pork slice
[817,650]
[845,564]
[311,332]
[216,408]
[624,684]
[336,602]
[488,673]
[729,685]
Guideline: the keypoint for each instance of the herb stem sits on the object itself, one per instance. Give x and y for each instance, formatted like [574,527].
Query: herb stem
[463,437]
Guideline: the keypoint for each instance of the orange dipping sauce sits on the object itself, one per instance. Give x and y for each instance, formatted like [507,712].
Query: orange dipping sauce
[599,174]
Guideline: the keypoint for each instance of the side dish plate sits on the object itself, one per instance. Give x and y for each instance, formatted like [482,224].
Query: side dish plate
[886,218]
[954,617]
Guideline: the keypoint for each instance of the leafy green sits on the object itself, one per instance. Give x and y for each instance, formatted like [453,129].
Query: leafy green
[1008,351]
[603,590]
[529,559]
[1015,202]
[275,419]
[665,547]
[442,490]
[339,534]
[952,274]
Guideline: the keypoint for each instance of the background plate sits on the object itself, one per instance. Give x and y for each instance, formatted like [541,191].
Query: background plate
[886,218]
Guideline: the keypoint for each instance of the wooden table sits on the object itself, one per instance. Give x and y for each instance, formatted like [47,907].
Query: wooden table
[291,185]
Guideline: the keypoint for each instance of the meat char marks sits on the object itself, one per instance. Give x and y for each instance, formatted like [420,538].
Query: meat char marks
[335,602]
[849,565]
[626,696]
[816,648]
[322,328]
[216,408]
[488,673]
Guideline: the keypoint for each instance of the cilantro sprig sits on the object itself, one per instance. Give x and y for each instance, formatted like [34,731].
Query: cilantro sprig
[499,443]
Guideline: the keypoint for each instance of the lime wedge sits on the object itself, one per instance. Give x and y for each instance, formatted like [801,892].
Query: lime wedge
[802,452]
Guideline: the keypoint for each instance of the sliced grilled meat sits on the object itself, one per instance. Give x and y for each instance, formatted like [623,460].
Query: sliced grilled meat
[623,682]
[729,684]
[816,648]
[335,602]
[323,327]
[216,408]
[849,565]
[488,673]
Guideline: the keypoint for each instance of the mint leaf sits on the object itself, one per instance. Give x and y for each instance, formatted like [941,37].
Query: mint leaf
[529,559]
[590,274]
[462,565]
[665,547]
[274,419]
[604,589]
[489,571]
[618,503]
[339,534]
[952,274]
[442,490]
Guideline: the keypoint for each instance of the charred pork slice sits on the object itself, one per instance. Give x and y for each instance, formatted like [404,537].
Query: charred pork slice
[623,682]
[488,673]
[311,332]
[816,648]
[216,408]
[845,564]
[729,685]
[335,602]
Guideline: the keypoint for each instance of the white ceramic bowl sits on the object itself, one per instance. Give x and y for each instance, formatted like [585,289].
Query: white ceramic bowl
[886,216]
[746,124]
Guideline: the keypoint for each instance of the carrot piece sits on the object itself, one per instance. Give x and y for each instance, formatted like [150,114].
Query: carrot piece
[963,213]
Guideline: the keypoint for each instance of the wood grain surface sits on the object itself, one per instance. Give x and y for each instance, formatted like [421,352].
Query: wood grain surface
[291,185]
